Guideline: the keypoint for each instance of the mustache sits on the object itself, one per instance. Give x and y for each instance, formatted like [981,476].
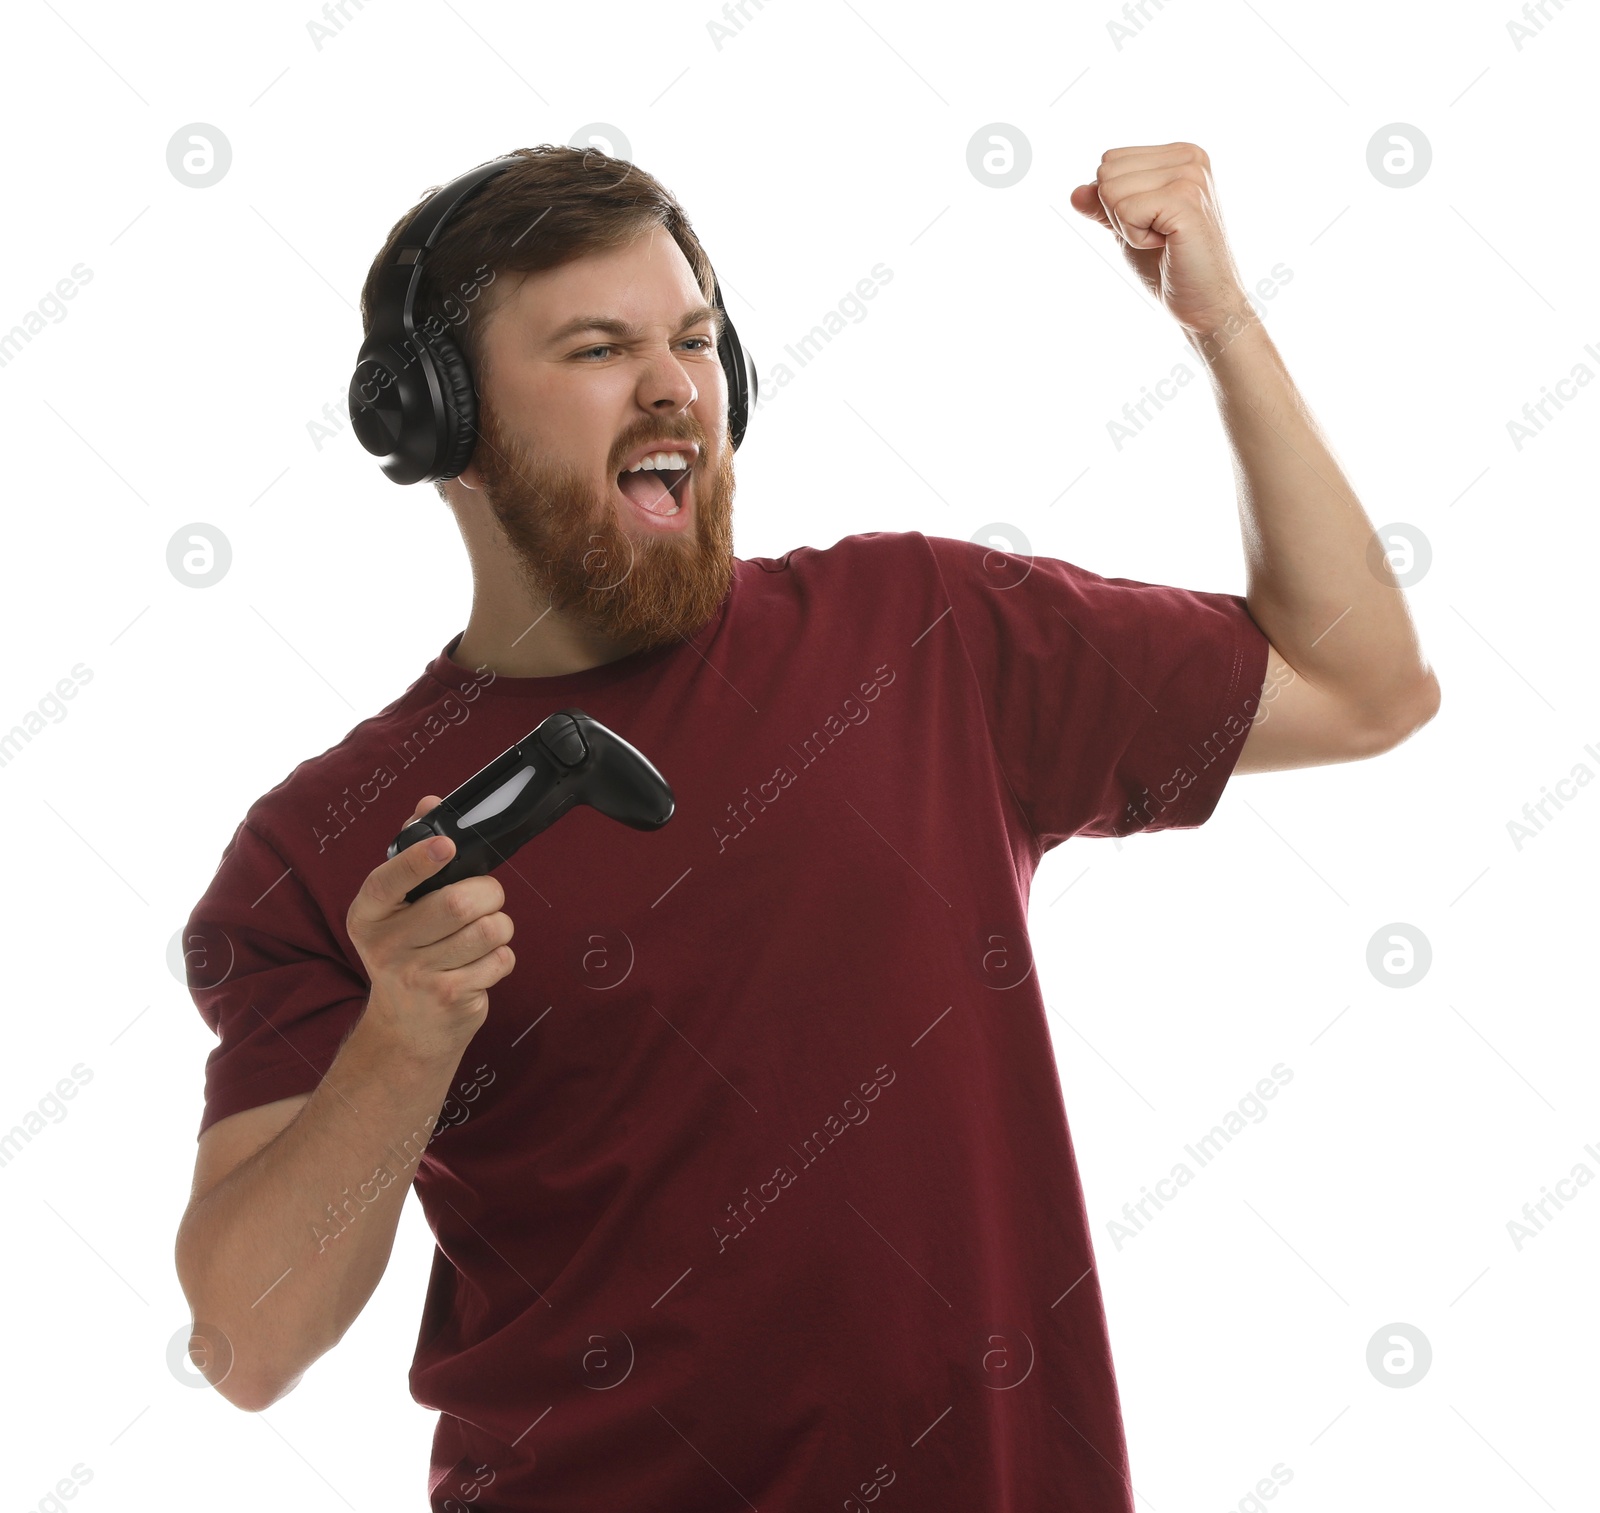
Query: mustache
[504,464]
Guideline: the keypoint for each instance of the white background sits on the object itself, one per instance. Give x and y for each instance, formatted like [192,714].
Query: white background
[817,142]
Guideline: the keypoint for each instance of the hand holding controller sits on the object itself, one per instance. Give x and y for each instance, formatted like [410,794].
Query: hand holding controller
[431,963]
[567,759]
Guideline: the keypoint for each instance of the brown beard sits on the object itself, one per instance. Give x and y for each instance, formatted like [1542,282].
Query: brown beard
[626,585]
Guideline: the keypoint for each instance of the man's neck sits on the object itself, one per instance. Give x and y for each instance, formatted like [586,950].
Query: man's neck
[540,645]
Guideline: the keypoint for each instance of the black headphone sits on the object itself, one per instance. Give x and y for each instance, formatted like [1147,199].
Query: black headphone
[412,400]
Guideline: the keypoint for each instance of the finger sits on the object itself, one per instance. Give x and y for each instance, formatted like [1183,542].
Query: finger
[462,946]
[388,883]
[1120,184]
[1147,220]
[424,804]
[1155,157]
[438,915]
[485,972]
[1086,200]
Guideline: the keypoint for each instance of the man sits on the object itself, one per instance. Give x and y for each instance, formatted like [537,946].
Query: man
[749,1169]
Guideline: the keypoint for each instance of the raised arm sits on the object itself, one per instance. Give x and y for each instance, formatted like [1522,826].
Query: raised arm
[1346,676]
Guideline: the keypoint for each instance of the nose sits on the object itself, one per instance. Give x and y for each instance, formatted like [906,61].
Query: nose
[665,386]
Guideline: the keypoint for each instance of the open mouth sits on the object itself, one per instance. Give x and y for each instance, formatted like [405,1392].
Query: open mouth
[656,492]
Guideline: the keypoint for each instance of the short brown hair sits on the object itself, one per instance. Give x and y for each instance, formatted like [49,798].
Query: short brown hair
[555,205]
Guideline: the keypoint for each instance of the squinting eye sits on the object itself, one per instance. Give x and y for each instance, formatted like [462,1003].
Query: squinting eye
[704,345]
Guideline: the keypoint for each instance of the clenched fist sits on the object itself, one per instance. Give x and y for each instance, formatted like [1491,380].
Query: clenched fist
[1162,204]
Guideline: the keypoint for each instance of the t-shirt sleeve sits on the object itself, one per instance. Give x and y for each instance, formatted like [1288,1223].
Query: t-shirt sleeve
[268,976]
[1113,705]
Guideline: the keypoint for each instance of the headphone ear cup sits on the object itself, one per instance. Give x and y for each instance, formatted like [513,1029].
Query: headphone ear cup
[459,431]
[740,371]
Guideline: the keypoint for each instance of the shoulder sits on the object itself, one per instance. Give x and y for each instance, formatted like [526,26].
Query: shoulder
[862,553]
[950,562]
[321,795]
[901,573]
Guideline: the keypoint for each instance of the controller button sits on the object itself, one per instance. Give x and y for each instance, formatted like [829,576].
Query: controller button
[564,740]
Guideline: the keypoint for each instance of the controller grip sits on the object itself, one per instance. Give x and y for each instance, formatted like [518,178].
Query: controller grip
[622,783]
[478,850]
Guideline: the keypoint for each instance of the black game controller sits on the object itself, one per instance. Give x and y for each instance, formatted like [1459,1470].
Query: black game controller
[567,759]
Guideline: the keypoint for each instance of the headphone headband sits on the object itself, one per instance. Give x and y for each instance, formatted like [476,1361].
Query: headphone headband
[412,399]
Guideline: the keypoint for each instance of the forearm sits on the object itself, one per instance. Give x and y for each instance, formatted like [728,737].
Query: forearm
[281,1256]
[1316,585]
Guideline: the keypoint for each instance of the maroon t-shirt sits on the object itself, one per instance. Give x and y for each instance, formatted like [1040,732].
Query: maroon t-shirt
[755,1190]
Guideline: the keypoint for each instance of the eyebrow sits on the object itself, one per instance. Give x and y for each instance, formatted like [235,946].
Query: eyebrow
[626,332]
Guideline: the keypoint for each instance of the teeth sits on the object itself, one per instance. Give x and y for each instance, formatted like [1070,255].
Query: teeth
[660,461]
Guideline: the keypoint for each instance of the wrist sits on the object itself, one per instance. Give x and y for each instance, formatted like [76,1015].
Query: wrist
[403,1054]
[1213,332]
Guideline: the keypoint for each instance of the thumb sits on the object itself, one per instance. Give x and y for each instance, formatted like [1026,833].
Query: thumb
[1086,200]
